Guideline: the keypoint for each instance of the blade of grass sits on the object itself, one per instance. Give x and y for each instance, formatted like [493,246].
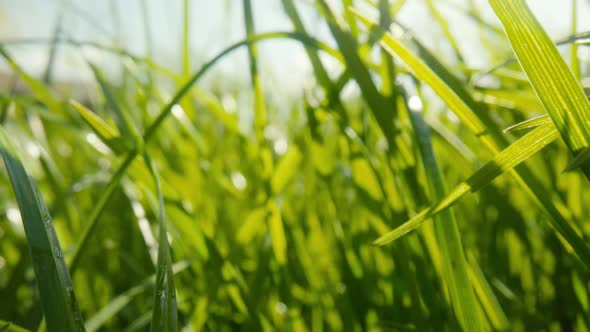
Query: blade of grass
[555,85]
[11,327]
[164,314]
[55,286]
[349,48]
[109,135]
[120,301]
[454,264]
[260,117]
[486,296]
[530,123]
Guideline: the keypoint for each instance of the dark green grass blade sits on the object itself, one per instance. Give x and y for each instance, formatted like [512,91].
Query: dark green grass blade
[502,162]
[555,85]
[454,264]
[165,313]
[55,286]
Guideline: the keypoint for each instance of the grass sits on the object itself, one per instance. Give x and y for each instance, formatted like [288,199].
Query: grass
[144,209]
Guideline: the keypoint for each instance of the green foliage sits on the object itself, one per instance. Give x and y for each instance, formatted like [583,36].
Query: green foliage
[174,213]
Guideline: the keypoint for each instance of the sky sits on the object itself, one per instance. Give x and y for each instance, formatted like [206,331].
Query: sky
[215,24]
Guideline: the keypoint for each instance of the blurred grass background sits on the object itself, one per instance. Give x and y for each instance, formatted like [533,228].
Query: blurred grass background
[283,163]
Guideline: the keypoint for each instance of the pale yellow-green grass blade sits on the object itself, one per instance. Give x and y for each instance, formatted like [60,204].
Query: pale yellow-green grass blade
[551,78]
[286,169]
[513,155]
[109,135]
[530,123]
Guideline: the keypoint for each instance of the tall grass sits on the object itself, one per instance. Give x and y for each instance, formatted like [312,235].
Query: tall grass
[385,211]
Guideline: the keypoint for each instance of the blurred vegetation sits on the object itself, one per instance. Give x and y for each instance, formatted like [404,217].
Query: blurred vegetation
[175,214]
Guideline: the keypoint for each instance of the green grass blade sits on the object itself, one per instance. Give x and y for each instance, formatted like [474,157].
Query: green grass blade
[109,135]
[119,302]
[11,327]
[286,169]
[55,286]
[260,117]
[555,85]
[530,123]
[581,160]
[165,313]
[486,296]
[349,47]
[429,77]
[277,233]
[454,265]
[513,155]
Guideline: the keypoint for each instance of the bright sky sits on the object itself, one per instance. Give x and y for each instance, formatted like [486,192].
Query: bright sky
[217,23]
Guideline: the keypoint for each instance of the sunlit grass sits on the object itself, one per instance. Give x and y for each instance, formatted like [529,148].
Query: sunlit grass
[385,211]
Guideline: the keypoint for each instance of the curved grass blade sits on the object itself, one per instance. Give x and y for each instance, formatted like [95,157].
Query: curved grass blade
[165,313]
[530,123]
[55,286]
[454,265]
[513,155]
[555,85]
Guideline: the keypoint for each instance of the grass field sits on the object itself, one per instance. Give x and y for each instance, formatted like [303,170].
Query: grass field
[439,197]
